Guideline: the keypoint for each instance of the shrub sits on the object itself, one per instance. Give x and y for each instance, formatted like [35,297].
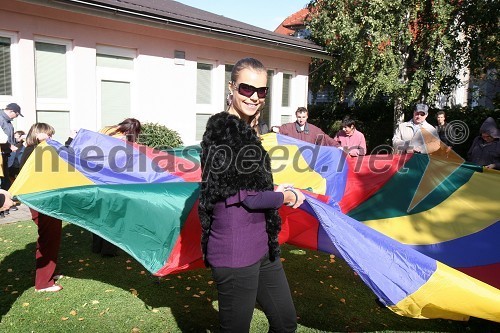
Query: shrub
[158,136]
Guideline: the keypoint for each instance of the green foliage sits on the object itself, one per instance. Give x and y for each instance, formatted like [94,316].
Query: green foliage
[117,295]
[405,50]
[159,136]
[374,120]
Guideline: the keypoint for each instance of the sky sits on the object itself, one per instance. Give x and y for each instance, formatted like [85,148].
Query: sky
[266,14]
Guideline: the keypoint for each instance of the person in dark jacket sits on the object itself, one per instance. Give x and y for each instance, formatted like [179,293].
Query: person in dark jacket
[485,149]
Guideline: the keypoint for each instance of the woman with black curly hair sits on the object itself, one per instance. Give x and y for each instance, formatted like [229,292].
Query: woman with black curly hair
[238,209]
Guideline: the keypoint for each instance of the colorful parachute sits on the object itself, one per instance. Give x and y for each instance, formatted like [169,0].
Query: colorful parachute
[426,241]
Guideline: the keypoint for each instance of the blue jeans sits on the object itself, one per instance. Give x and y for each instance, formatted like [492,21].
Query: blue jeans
[264,282]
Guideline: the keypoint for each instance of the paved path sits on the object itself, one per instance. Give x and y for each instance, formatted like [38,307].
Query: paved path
[22,214]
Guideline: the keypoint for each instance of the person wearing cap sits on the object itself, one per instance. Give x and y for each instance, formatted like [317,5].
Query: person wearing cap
[416,135]
[485,149]
[9,113]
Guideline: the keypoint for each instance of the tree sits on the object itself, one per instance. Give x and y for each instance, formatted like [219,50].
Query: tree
[403,50]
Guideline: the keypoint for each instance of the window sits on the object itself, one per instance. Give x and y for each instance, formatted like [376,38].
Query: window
[52,59]
[266,111]
[201,124]
[114,71]
[285,119]
[114,61]
[115,102]
[285,96]
[227,78]
[57,119]
[5,67]
[204,83]
[51,70]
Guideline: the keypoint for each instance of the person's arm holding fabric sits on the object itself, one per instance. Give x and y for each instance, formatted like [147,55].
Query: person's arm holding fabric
[283,195]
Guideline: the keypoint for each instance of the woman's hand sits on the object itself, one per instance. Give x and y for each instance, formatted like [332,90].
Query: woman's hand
[292,197]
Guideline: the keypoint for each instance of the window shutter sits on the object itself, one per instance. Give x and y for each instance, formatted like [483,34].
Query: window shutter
[57,119]
[115,102]
[227,78]
[5,67]
[112,61]
[204,84]
[266,111]
[285,97]
[285,119]
[201,124]
[51,72]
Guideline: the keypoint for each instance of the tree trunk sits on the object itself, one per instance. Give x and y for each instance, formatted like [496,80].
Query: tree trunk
[398,111]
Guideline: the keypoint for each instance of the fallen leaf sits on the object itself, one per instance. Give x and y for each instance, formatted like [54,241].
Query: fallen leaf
[210,282]
[95,302]
[196,295]
[134,292]
[155,310]
[202,292]
[143,272]
[14,292]
[80,319]
[129,268]
[9,270]
[72,312]
[188,288]
[128,261]
[135,330]
[342,300]
[64,318]
[26,304]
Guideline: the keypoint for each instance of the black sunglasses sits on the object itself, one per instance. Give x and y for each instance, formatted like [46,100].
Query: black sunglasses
[248,90]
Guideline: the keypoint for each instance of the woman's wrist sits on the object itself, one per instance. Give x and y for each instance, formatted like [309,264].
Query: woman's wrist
[292,202]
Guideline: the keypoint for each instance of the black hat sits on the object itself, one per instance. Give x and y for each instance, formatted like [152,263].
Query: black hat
[14,107]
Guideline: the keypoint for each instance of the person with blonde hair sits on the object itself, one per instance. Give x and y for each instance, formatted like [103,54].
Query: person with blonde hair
[49,228]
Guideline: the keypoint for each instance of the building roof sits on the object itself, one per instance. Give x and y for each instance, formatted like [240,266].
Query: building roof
[196,20]
[292,22]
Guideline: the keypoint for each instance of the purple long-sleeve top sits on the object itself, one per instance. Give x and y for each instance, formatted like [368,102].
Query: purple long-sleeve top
[238,236]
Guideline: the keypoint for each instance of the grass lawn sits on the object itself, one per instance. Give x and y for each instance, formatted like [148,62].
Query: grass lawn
[118,295]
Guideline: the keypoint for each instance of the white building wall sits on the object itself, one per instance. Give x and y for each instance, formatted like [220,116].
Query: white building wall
[161,90]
